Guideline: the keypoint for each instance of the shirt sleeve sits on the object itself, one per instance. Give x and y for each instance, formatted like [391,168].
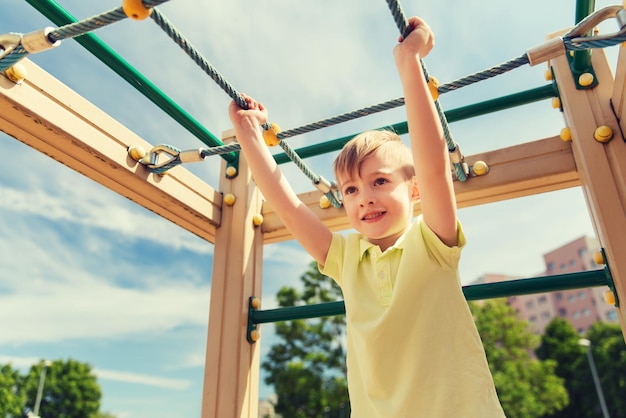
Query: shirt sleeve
[445,256]
[332,267]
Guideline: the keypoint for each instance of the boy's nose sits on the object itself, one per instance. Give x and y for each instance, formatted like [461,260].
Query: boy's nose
[367,199]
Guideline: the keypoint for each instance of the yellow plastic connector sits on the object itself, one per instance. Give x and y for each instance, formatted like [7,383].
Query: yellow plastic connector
[603,134]
[586,79]
[136,153]
[255,335]
[135,9]
[433,86]
[16,73]
[480,168]
[255,303]
[556,103]
[257,219]
[229,199]
[598,258]
[324,202]
[609,297]
[566,134]
[231,171]
[548,75]
[271,135]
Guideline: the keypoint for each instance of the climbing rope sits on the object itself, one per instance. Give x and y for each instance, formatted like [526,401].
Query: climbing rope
[457,159]
[574,40]
[328,188]
[14,46]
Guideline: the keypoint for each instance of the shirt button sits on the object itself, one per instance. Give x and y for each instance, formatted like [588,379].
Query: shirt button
[381,275]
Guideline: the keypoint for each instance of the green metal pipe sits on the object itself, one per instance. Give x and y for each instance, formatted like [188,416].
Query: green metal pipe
[453,115]
[582,59]
[60,17]
[543,284]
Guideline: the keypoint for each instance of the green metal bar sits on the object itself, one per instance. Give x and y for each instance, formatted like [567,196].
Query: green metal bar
[60,17]
[453,115]
[543,284]
[582,59]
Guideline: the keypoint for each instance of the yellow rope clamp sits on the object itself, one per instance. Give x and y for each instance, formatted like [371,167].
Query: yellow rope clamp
[270,135]
[433,86]
[135,9]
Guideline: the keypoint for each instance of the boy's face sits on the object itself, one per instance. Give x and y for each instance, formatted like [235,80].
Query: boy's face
[379,199]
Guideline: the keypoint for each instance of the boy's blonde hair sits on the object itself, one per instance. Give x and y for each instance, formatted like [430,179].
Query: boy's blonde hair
[351,157]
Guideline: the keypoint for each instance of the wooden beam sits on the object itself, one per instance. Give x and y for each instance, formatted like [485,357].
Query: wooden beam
[51,118]
[602,166]
[521,170]
[231,374]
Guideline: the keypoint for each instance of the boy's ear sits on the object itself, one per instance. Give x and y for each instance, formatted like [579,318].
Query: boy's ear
[415,192]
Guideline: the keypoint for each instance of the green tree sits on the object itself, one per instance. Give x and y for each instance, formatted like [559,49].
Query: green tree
[560,344]
[70,390]
[12,398]
[609,354]
[307,368]
[527,387]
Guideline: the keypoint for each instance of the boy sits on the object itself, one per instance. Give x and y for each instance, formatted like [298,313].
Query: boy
[413,349]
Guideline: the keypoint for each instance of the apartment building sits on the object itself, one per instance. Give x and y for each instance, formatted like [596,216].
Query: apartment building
[581,307]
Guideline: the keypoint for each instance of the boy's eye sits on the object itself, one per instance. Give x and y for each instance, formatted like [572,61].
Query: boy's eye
[349,190]
[379,181]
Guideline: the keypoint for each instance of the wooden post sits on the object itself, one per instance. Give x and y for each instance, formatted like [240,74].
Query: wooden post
[231,376]
[601,166]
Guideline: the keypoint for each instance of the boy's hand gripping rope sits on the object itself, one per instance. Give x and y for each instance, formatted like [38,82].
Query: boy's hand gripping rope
[271,131]
[461,169]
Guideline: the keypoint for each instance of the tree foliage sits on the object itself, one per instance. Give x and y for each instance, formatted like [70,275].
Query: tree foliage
[12,398]
[307,368]
[527,387]
[70,390]
[560,343]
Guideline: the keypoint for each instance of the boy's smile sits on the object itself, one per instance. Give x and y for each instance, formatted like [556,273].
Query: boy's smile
[379,200]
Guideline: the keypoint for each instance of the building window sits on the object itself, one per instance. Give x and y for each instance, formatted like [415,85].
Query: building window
[532,319]
[542,300]
[581,295]
[545,315]
[558,296]
[550,266]
[563,312]
[575,315]
[571,298]
[563,266]
[572,262]
[611,316]
[586,312]
[529,304]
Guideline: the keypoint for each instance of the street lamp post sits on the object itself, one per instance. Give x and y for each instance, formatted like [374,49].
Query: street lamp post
[594,373]
[42,379]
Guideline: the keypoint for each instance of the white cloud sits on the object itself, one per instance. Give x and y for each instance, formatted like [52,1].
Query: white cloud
[143,379]
[95,209]
[24,363]
[49,311]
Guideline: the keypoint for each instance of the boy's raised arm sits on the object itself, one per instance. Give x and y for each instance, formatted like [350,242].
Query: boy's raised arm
[303,224]
[428,144]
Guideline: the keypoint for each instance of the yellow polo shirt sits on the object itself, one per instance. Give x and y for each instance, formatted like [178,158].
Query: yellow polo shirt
[412,347]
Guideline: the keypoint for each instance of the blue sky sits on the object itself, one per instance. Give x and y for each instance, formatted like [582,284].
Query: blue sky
[87,274]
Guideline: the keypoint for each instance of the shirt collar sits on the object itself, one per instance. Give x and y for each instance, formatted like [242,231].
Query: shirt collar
[365,245]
